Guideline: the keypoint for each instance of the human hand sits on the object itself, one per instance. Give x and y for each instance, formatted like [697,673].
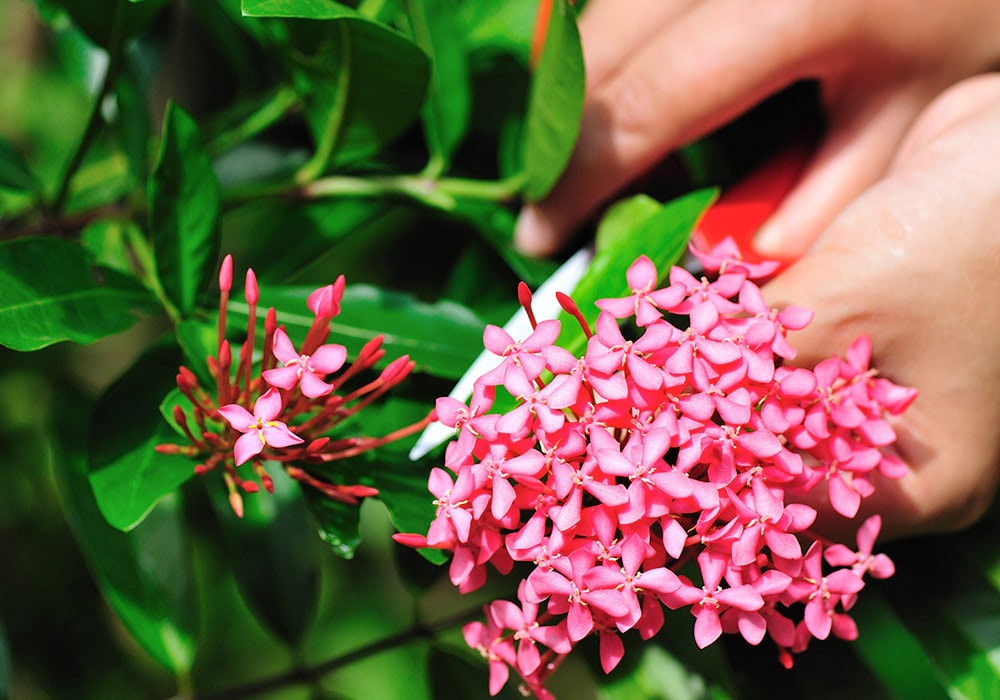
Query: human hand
[915,263]
[661,73]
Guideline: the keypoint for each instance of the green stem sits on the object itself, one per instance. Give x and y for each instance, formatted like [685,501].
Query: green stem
[331,133]
[310,674]
[94,120]
[269,113]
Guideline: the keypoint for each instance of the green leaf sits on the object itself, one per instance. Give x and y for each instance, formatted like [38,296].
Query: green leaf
[446,112]
[402,487]
[127,475]
[274,554]
[555,104]
[50,291]
[5,666]
[362,83]
[455,676]
[495,223]
[14,171]
[184,206]
[442,338]
[656,676]
[305,9]
[632,231]
[145,575]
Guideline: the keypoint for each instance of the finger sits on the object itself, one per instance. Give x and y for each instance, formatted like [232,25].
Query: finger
[913,262]
[612,30]
[856,151]
[714,62]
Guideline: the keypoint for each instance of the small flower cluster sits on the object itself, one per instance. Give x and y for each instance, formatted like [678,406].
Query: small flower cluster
[681,448]
[281,407]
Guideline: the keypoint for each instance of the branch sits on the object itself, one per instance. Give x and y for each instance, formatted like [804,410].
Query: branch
[312,674]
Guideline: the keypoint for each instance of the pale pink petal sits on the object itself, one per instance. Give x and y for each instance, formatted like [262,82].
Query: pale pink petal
[312,386]
[277,434]
[238,417]
[328,358]
[282,347]
[248,445]
[282,377]
[268,406]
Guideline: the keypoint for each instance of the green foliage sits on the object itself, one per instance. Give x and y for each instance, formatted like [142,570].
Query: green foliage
[51,291]
[555,105]
[127,475]
[183,212]
[392,141]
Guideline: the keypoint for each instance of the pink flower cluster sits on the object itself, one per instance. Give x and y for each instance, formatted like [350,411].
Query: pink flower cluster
[282,408]
[663,470]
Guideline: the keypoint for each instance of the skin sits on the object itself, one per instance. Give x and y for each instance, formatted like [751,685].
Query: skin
[894,218]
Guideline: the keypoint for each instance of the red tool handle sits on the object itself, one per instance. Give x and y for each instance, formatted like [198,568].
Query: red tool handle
[742,208]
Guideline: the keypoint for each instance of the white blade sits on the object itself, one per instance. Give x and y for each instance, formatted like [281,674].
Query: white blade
[545,307]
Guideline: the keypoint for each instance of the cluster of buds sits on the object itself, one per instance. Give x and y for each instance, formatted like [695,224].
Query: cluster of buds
[666,470]
[282,406]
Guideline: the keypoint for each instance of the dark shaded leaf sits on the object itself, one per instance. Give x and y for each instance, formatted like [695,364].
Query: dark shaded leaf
[145,575]
[14,171]
[338,523]
[96,17]
[274,554]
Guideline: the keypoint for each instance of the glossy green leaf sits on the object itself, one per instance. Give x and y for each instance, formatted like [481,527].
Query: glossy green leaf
[555,103]
[662,237]
[305,9]
[184,206]
[274,554]
[127,475]
[446,113]
[50,291]
[145,575]
[14,171]
[442,338]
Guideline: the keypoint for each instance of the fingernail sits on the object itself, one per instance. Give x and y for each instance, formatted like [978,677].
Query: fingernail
[529,232]
[770,240]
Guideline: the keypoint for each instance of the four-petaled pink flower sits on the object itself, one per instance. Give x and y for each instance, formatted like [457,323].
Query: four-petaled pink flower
[259,430]
[308,371]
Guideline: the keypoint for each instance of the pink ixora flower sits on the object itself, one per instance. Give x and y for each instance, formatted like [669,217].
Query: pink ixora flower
[308,371]
[259,430]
